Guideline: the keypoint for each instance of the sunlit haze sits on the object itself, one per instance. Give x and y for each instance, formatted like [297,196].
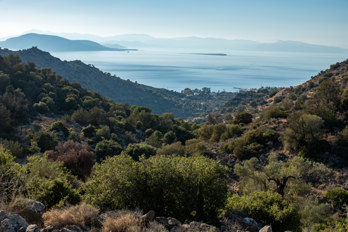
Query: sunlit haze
[313,21]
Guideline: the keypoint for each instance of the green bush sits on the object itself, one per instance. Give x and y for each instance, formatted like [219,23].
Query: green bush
[267,208]
[107,148]
[59,126]
[185,188]
[41,107]
[44,140]
[89,131]
[49,182]
[243,117]
[337,197]
[135,150]
[172,149]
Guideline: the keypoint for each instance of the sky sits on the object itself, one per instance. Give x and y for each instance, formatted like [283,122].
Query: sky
[322,22]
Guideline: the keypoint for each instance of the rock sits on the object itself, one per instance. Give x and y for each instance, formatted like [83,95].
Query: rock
[251,221]
[266,229]
[178,229]
[29,209]
[163,221]
[47,229]
[147,218]
[32,228]
[13,223]
[200,226]
[2,215]
[173,222]
[71,228]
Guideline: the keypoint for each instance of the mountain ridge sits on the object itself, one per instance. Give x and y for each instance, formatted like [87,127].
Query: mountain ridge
[55,43]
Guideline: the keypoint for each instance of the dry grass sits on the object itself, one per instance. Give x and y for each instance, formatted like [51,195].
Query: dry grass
[83,215]
[124,223]
[128,221]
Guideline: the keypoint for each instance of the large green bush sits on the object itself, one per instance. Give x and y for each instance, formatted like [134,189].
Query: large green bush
[267,208]
[186,188]
[49,182]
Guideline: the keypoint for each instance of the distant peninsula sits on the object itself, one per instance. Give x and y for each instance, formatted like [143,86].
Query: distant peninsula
[56,44]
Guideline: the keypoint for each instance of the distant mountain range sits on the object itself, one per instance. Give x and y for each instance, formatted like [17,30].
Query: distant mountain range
[55,44]
[216,44]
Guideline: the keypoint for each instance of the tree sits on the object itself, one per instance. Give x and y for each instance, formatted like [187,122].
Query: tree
[302,130]
[45,141]
[288,178]
[243,117]
[107,148]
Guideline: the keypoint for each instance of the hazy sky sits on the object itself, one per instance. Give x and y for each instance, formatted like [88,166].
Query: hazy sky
[314,21]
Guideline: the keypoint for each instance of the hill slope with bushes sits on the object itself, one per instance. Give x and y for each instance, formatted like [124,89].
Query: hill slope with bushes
[282,162]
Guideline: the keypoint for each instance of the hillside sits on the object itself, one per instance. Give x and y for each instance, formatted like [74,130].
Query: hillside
[88,159]
[55,44]
[159,100]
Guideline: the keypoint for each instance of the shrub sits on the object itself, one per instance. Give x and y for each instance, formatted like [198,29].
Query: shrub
[14,147]
[59,126]
[337,197]
[83,215]
[169,137]
[275,112]
[171,186]
[11,183]
[302,129]
[195,147]
[89,131]
[135,150]
[76,157]
[41,107]
[107,148]
[49,182]
[243,117]
[267,208]
[45,141]
[172,149]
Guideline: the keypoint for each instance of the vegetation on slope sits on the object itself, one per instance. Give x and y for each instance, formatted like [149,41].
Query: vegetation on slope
[284,164]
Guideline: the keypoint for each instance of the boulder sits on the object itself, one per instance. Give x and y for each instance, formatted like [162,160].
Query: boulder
[173,222]
[200,226]
[13,223]
[71,228]
[47,229]
[29,209]
[32,228]
[2,215]
[147,218]
[266,229]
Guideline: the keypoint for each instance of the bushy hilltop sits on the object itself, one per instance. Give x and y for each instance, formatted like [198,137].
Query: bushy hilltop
[159,100]
[280,159]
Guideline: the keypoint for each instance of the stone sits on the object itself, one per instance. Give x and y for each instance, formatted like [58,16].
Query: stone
[71,228]
[147,218]
[178,229]
[200,226]
[2,215]
[13,223]
[266,229]
[163,221]
[32,228]
[47,229]
[29,209]
[173,221]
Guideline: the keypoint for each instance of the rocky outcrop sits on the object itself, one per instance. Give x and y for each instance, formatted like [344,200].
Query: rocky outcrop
[29,209]
[12,223]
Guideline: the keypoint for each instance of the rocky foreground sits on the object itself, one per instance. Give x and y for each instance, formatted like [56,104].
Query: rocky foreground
[31,216]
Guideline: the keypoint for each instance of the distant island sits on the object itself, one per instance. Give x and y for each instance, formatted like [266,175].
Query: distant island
[210,54]
[57,44]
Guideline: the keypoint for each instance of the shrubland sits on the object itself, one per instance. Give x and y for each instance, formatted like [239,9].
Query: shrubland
[280,158]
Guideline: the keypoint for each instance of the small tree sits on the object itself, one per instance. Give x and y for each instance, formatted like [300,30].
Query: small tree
[302,129]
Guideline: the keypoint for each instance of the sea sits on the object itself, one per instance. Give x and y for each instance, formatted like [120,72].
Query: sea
[220,71]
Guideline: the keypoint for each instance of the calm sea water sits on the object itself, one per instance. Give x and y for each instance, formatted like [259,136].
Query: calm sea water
[176,70]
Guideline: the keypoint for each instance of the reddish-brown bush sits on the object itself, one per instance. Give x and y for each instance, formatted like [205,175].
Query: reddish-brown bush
[76,157]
